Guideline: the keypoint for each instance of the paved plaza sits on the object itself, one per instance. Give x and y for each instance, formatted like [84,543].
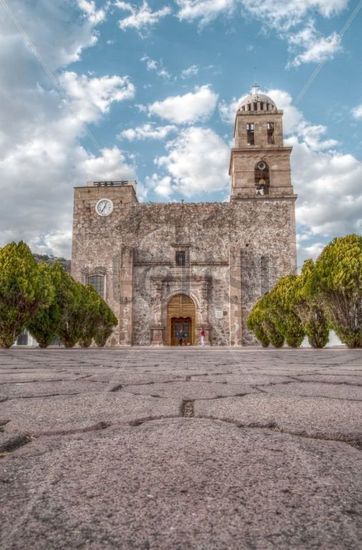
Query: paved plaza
[180,448]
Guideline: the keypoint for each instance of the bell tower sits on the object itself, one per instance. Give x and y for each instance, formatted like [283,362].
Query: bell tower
[259,162]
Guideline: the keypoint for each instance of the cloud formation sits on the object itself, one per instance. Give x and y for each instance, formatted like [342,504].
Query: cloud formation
[357,112]
[193,70]
[44,114]
[326,180]
[204,10]
[292,21]
[316,48]
[188,108]
[147,131]
[156,66]
[196,162]
[140,18]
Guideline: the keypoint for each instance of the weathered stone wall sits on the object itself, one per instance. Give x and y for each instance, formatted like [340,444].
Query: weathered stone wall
[135,248]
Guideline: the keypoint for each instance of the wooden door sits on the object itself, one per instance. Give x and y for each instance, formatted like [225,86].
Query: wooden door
[181,319]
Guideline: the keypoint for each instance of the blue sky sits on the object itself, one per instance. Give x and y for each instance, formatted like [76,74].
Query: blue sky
[148,90]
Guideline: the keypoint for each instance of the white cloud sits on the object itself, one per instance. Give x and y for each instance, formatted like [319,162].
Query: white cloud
[292,21]
[156,66]
[285,15]
[317,49]
[90,10]
[91,97]
[55,243]
[357,112]
[327,181]
[190,71]
[56,34]
[279,14]
[330,195]
[197,162]
[313,135]
[204,10]
[140,18]
[228,110]
[311,251]
[162,186]
[41,158]
[147,131]
[188,108]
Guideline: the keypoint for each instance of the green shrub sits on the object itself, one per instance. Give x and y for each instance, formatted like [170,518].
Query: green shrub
[25,289]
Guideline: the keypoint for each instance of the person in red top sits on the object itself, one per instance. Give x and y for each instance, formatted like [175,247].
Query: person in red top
[202,336]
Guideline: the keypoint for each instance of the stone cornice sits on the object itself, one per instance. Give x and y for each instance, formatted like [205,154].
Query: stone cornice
[266,198]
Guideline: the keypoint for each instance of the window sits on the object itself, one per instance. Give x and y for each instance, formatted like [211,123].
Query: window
[97,282]
[270,132]
[180,258]
[250,133]
[262,178]
[22,339]
[264,274]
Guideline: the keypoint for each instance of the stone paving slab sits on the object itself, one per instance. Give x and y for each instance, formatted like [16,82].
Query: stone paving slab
[37,376]
[336,391]
[316,417]
[53,389]
[252,378]
[180,449]
[191,390]
[184,483]
[353,379]
[79,412]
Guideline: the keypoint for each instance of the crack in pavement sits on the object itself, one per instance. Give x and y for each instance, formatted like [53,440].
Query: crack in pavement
[186,411]
[45,396]
[116,388]
[102,425]
[13,442]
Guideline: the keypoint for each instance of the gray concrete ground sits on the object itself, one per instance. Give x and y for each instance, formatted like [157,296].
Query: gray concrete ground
[181,448]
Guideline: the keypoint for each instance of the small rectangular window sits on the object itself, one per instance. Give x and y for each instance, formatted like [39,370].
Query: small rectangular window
[180,258]
[264,274]
[250,133]
[97,282]
[270,132]
[22,339]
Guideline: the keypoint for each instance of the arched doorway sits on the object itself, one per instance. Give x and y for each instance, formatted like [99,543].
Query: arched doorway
[181,321]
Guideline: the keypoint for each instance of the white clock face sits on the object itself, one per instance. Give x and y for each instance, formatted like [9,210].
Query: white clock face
[104,207]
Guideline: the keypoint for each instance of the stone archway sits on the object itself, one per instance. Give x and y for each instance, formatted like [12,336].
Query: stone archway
[181,321]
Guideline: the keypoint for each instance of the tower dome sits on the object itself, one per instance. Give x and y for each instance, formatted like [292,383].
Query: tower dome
[256,101]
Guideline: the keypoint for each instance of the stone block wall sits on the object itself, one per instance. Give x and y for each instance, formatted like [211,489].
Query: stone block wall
[235,251]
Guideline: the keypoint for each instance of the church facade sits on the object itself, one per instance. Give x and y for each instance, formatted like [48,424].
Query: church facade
[170,270]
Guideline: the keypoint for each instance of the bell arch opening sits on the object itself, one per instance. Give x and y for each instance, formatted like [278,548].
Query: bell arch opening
[262,178]
[181,321]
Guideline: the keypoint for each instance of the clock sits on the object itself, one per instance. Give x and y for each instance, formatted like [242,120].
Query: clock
[104,207]
[261,165]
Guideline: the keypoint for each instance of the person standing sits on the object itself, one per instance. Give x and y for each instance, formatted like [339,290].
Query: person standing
[202,336]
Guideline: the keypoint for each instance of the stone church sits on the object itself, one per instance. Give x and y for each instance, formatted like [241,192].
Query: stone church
[170,270]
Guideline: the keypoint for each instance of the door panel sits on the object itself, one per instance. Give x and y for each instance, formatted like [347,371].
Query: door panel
[181,331]
[181,309]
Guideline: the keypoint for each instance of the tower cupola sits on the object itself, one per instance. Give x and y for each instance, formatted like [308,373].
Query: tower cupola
[259,163]
[256,101]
